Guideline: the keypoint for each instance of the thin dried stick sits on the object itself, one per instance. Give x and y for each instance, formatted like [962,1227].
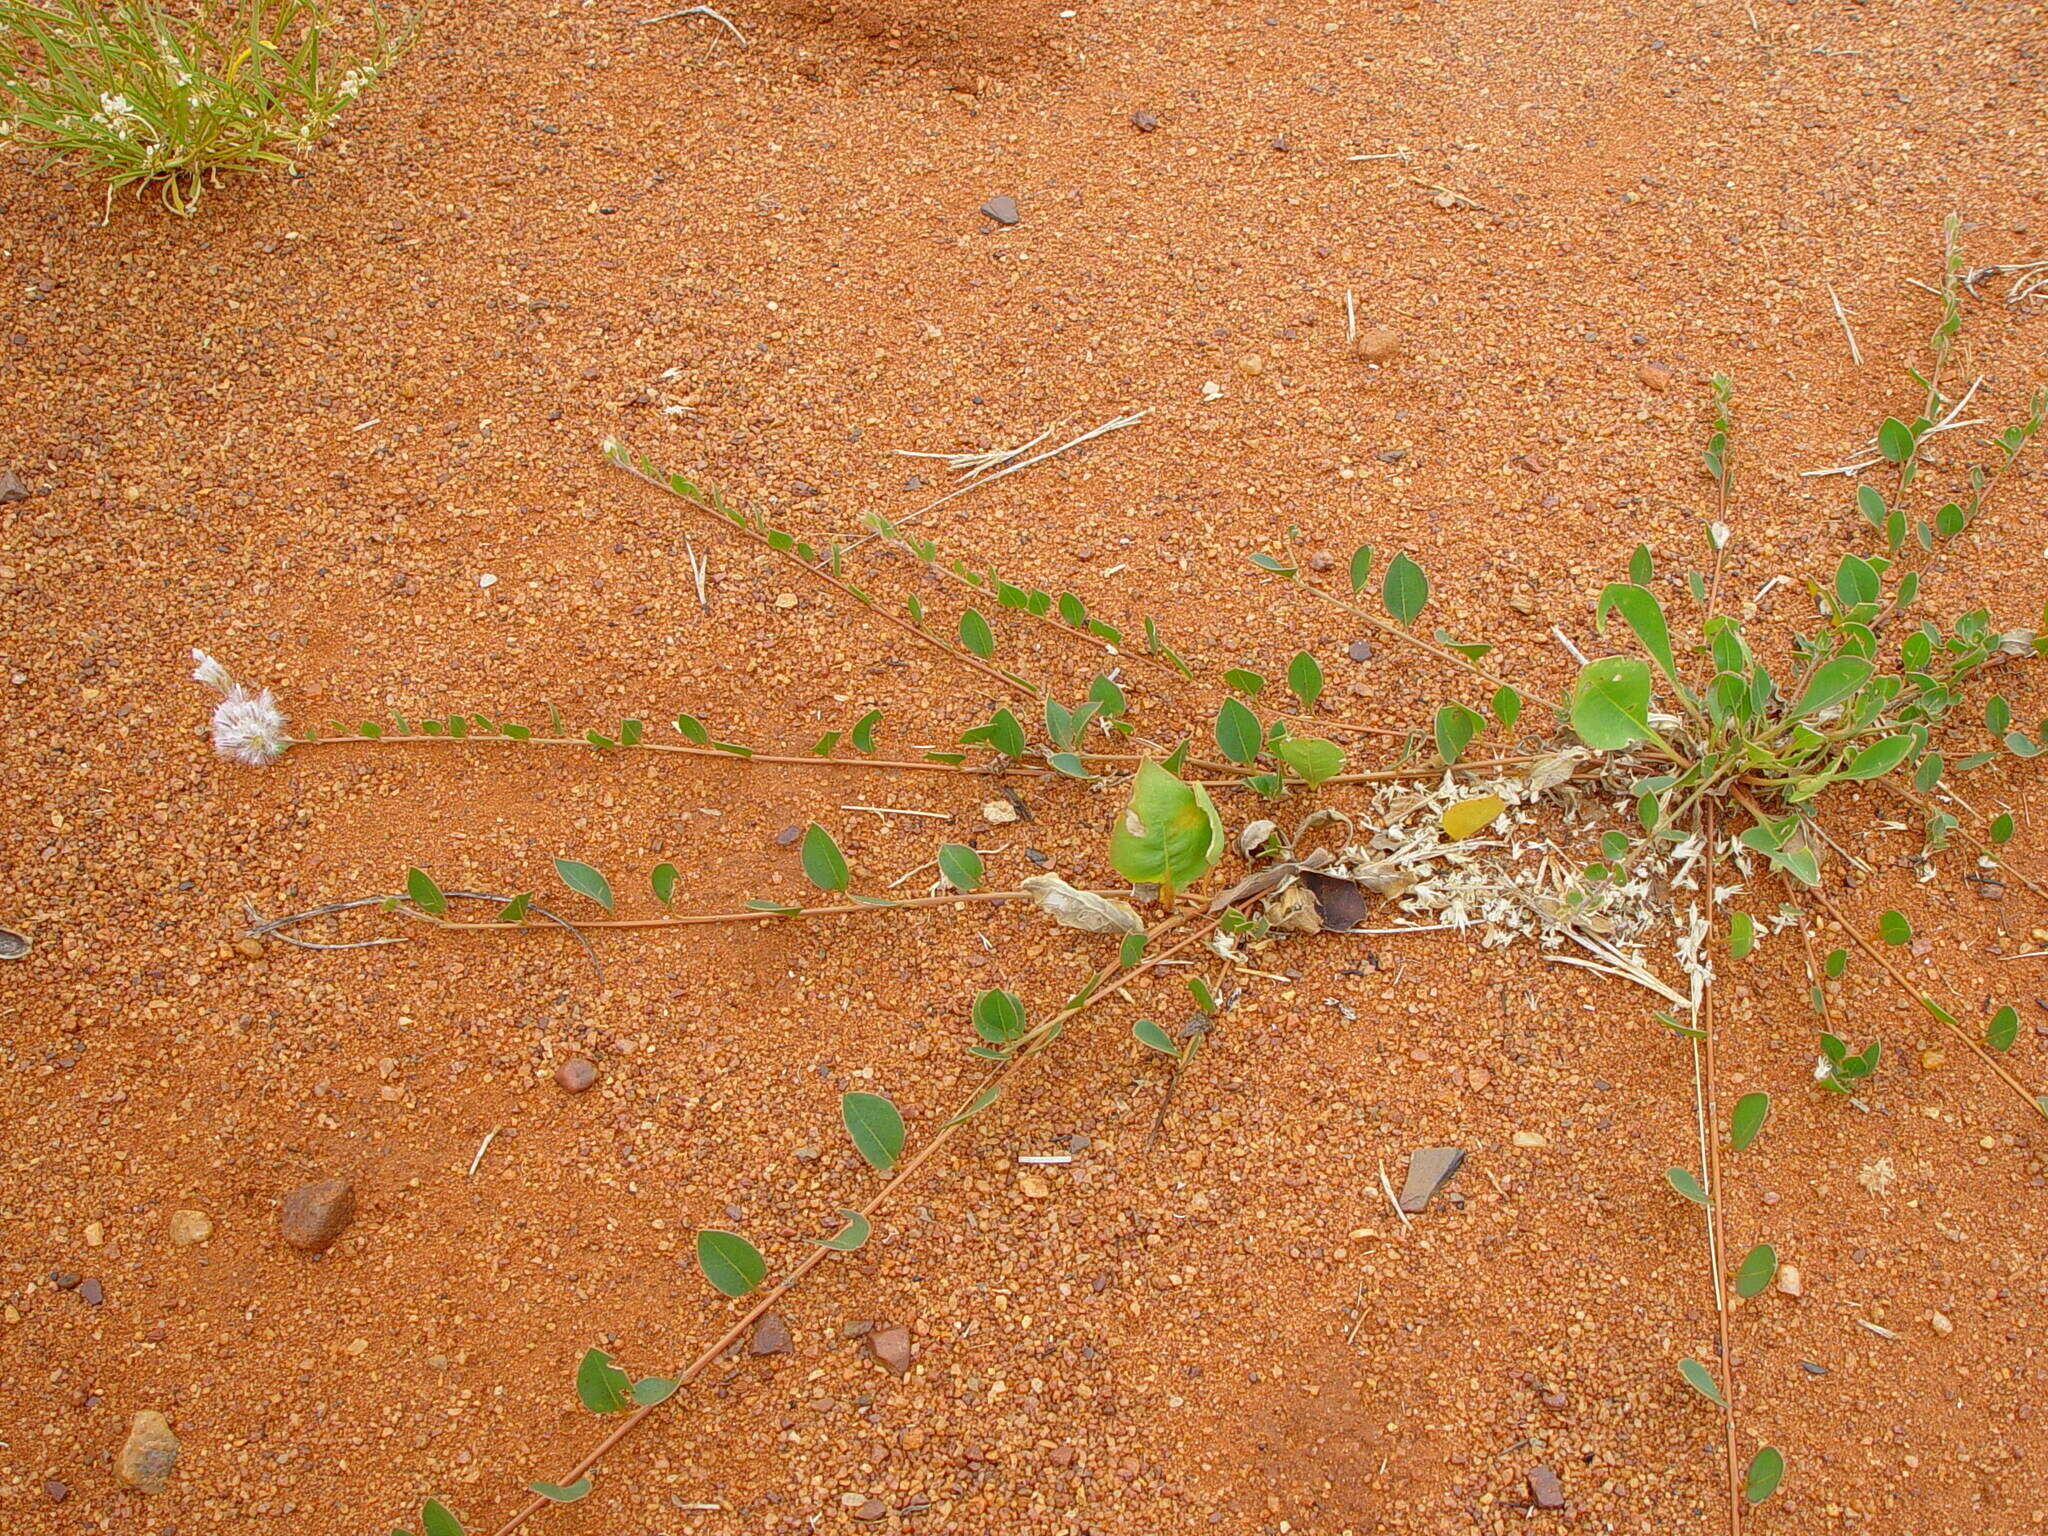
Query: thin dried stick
[908,765]
[1841,314]
[1706,1099]
[880,1201]
[623,460]
[697,10]
[1388,627]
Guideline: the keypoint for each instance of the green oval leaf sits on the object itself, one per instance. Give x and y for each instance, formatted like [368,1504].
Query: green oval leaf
[1404,589]
[1701,1380]
[998,1016]
[824,864]
[1361,567]
[1148,1033]
[863,733]
[2001,828]
[1754,1275]
[1893,928]
[437,1519]
[1169,833]
[423,893]
[1751,1110]
[1741,935]
[601,1386]
[558,1494]
[1645,616]
[1507,706]
[649,1390]
[1682,1180]
[976,635]
[1244,681]
[875,1126]
[849,1237]
[1455,727]
[585,881]
[1895,440]
[1766,1471]
[662,879]
[2004,1029]
[1310,757]
[961,866]
[1832,683]
[733,1265]
[1238,732]
[1610,704]
[1879,758]
[1856,582]
[1870,502]
[1305,679]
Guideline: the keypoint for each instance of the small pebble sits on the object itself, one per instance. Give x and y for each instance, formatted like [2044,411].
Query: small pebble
[871,1511]
[1790,1281]
[1002,209]
[1655,376]
[55,1491]
[91,1293]
[314,1215]
[890,1348]
[575,1075]
[1379,344]
[1144,121]
[1940,1324]
[185,1228]
[1545,1489]
[12,487]
[1359,650]
[1531,1139]
[771,1337]
[151,1451]
[788,835]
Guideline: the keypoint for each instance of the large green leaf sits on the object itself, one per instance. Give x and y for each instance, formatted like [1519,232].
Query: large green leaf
[1750,1112]
[961,866]
[823,862]
[585,881]
[875,1126]
[1611,703]
[1766,1471]
[1879,758]
[1701,1380]
[1455,727]
[424,894]
[1238,732]
[601,1386]
[1753,1276]
[1404,589]
[1642,613]
[1169,834]
[437,1519]
[1305,679]
[731,1263]
[1311,757]
[1831,684]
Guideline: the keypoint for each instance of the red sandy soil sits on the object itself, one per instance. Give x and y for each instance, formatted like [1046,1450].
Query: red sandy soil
[299,427]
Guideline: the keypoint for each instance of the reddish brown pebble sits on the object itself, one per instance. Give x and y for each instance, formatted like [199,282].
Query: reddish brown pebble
[1545,1489]
[55,1491]
[891,1349]
[1555,1400]
[771,1337]
[575,1075]
[1379,344]
[1656,376]
[315,1214]
[12,487]
[1144,121]
[872,1511]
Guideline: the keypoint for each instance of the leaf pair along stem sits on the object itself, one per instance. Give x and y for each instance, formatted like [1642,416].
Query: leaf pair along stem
[1097,991]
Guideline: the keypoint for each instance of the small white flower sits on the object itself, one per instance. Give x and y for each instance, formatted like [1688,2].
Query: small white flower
[250,728]
[1823,1069]
[211,674]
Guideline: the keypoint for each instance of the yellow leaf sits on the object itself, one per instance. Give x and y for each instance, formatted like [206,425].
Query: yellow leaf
[1468,818]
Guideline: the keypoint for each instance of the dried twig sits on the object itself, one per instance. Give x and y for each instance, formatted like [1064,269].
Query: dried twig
[1841,314]
[697,10]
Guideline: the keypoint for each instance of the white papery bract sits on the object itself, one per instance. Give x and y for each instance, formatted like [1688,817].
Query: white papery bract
[247,727]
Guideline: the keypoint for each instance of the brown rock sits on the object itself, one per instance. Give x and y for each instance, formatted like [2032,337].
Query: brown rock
[186,1228]
[575,1075]
[771,1337]
[315,1214]
[1655,376]
[12,487]
[1379,344]
[872,1511]
[1002,209]
[151,1451]
[1143,121]
[891,1350]
[55,1491]
[1429,1170]
[1545,1489]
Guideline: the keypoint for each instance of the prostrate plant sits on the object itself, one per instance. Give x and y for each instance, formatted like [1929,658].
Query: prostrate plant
[168,100]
